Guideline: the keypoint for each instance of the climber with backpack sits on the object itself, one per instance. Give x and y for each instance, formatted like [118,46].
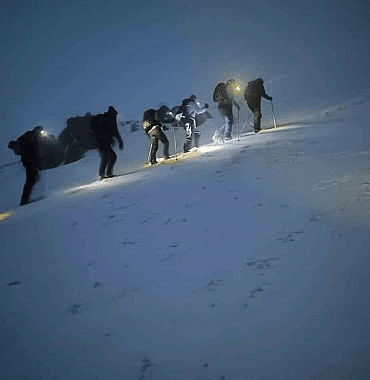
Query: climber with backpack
[104,128]
[186,117]
[28,147]
[252,95]
[223,94]
[154,124]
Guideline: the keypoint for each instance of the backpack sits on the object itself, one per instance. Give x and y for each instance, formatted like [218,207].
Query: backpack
[14,146]
[51,152]
[254,88]
[26,144]
[45,150]
[220,93]
[78,130]
[148,120]
[164,116]
[99,126]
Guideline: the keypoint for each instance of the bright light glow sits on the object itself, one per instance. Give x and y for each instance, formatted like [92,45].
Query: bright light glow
[210,148]
[237,86]
[43,133]
[105,183]
[5,215]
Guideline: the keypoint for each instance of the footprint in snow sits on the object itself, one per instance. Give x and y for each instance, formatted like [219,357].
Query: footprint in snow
[169,256]
[127,206]
[284,206]
[245,149]
[127,242]
[170,221]
[258,289]
[74,309]
[281,159]
[293,236]
[124,293]
[146,363]
[262,264]
[212,284]
[13,283]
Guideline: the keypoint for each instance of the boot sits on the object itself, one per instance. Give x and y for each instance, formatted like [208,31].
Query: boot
[187,146]
[196,139]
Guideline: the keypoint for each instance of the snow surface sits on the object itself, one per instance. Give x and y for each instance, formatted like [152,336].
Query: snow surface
[249,261]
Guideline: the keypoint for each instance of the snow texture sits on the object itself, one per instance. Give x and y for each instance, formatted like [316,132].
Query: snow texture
[248,261]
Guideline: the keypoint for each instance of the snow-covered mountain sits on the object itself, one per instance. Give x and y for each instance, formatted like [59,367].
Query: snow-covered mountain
[248,261]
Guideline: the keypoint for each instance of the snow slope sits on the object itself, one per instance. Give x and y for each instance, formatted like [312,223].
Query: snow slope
[249,261]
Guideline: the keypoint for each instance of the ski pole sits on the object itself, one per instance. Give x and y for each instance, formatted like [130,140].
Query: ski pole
[273,114]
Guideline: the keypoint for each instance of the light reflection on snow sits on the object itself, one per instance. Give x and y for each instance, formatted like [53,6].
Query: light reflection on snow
[5,215]
[104,184]
[210,148]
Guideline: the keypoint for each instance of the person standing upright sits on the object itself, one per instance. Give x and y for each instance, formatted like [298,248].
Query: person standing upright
[223,94]
[252,95]
[105,129]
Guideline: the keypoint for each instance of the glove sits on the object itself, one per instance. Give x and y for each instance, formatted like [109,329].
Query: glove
[206,105]
[270,99]
[165,128]
[120,145]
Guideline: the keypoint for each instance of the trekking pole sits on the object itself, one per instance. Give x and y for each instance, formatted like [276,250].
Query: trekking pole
[273,114]
[247,122]
[244,126]
[174,140]
[150,149]
[238,123]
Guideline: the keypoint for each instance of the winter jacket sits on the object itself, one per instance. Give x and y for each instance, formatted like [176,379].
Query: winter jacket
[189,110]
[195,108]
